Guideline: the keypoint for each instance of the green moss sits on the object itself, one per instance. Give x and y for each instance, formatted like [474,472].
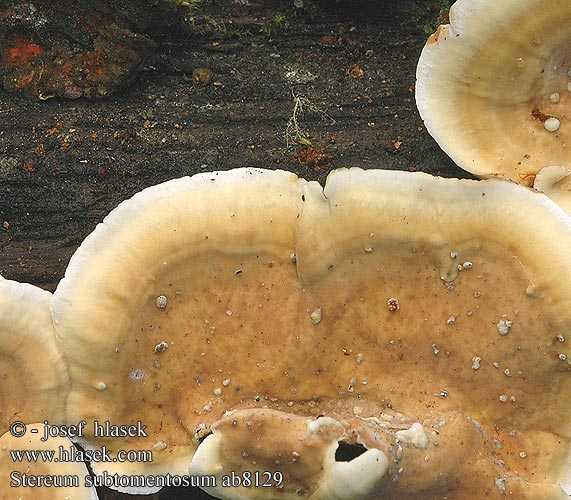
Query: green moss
[269,25]
[443,9]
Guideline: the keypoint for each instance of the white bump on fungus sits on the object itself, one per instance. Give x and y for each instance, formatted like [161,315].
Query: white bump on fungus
[504,325]
[552,124]
[415,435]
[161,302]
[316,316]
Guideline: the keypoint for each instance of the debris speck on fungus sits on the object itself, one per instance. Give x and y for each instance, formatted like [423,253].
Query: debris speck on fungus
[137,374]
[393,304]
[316,316]
[161,302]
[160,446]
[504,325]
[451,319]
[161,347]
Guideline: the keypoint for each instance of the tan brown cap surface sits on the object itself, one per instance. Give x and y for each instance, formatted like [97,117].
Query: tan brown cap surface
[151,313]
[422,321]
[444,271]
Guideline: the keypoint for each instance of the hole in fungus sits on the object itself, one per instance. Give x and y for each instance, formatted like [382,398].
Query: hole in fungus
[346,452]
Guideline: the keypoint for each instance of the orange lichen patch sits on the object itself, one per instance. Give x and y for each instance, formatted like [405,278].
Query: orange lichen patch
[94,64]
[355,71]
[90,54]
[23,52]
[314,158]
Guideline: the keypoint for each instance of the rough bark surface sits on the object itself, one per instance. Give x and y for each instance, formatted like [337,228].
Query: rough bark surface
[344,70]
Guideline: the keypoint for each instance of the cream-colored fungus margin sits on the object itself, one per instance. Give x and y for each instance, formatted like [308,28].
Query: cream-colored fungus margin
[256,322]
[62,480]
[33,385]
[33,374]
[140,285]
[494,88]
[555,182]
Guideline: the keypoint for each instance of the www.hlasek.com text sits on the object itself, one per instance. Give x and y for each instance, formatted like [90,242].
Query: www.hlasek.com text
[73,454]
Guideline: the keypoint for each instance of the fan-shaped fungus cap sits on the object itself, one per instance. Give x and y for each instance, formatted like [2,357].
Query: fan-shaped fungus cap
[422,319]
[460,288]
[157,294]
[494,87]
[41,479]
[33,373]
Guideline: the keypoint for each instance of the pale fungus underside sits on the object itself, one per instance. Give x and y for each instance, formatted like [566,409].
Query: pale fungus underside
[198,322]
[63,479]
[32,387]
[34,381]
[494,90]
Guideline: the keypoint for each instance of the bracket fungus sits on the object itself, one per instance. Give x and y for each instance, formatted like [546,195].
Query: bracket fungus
[494,90]
[33,386]
[34,376]
[42,478]
[181,279]
[196,301]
